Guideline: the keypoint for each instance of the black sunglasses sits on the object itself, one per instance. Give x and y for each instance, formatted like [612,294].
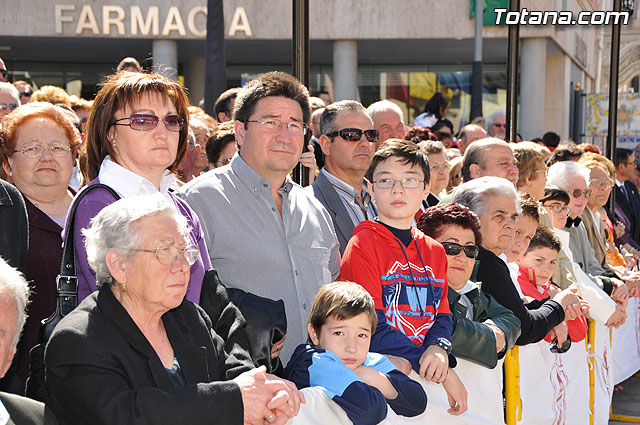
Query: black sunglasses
[452,248]
[4,72]
[355,134]
[26,94]
[563,348]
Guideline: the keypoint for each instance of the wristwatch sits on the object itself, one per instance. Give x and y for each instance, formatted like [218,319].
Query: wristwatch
[443,343]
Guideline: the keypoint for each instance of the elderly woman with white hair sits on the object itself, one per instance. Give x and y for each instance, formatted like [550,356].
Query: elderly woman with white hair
[137,351]
[9,99]
[495,201]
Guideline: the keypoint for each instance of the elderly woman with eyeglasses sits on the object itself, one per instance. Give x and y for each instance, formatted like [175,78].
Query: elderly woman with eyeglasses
[136,138]
[137,351]
[39,145]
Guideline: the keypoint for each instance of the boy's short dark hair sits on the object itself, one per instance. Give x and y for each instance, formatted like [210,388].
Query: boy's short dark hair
[544,238]
[554,193]
[405,149]
[342,300]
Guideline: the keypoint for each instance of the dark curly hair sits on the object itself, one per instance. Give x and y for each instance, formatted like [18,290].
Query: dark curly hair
[417,134]
[544,238]
[529,207]
[434,219]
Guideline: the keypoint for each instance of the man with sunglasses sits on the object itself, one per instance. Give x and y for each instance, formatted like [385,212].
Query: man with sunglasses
[265,234]
[497,124]
[3,71]
[347,141]
[9,98]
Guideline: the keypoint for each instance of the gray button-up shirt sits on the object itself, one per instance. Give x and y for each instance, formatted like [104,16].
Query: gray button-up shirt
[256,249]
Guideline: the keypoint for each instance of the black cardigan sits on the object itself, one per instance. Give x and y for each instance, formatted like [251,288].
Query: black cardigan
[102,370]
[536,318]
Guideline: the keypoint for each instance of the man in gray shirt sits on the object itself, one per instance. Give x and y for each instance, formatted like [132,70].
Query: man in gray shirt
[265,234]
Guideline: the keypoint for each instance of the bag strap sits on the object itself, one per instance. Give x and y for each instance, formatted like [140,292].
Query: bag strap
[67,280]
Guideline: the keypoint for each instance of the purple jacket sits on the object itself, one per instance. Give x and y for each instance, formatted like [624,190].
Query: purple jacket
[95,201]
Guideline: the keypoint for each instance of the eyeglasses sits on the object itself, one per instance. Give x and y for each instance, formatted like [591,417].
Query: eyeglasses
[499,125]
[452,248]
[35,151]
[272,125]
[167,255]
[409,183]
[11,106]
[544,170]
[4,72]
[26,94]
[558,209]
[147,122]
[439,169]
[355,134]
[601,184]
[224,161]
[576,193]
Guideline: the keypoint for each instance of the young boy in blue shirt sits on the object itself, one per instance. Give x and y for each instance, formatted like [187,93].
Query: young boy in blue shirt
[341,323]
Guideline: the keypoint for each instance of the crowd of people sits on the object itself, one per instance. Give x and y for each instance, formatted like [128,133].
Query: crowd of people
[401,277]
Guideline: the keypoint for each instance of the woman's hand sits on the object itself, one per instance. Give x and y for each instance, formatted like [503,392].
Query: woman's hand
[277,347]
[618,318]
[570,302]
[561,332]
[501,339]
[434,364]
[456,393]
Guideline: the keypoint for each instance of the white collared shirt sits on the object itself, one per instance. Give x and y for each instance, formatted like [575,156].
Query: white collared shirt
[464,300]
[514,269]
[127,183]
[4,415]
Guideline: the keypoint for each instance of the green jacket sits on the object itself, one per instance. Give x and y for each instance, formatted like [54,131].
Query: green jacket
[474,340]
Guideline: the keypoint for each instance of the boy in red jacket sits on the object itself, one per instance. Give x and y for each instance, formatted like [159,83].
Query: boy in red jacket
[404,271]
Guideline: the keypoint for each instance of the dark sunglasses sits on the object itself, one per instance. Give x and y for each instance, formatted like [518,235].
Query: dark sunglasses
[355,134]
[452,248]
[147,122]
[26,94]
[4,72]
[563,348]
[577,192]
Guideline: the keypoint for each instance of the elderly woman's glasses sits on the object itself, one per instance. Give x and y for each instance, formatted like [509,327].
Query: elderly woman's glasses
[36,151]
[11,106]
[272,125]
[147,122]
[168,255]
[576,193]
[439,169]
[601,184]
[452,248]
[558,209]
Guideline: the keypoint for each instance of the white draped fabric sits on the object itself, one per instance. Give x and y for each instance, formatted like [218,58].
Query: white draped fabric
[626,344]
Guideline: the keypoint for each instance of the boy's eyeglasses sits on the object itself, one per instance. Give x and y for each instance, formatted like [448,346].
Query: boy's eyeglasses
[355,134]
[558,208]
[576,193]
[409,183]
[147,122]
[452,248]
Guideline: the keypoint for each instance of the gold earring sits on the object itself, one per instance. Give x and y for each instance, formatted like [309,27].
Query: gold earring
[124,287]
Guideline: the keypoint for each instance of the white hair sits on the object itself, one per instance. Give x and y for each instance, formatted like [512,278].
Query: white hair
[14,285]
[384,105]
[114,228]
[492,117]
[474,193]
[10,89]
[561,172]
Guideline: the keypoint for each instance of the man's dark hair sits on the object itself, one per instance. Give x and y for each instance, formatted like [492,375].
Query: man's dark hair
[566,152]
[529,207]
[223,103]
[551,139]
[435,104]
[218,140]
[622,155]
[544,238]
[267,85]
[554,193]
[404,149]
[442,122]
[331,112]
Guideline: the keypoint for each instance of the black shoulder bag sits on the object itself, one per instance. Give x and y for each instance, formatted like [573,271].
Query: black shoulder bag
[66,299]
